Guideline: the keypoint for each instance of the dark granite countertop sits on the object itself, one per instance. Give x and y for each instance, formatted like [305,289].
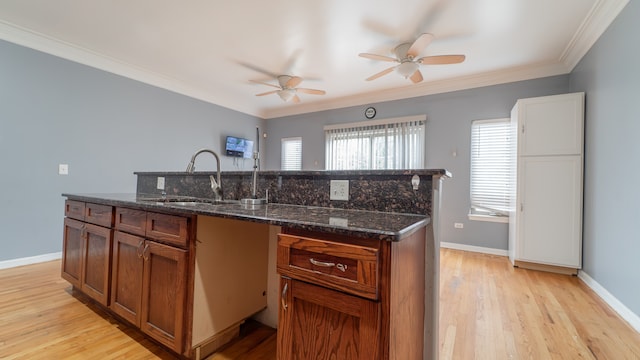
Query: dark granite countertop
[360,223]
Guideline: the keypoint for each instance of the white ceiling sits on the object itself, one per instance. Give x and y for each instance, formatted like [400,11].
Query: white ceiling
[211,49]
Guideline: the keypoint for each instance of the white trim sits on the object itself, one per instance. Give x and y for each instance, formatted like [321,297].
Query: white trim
[520,73]
[396,120]
[597,21]
[50,45]
[600,17]
[6,264]
[489,218]
[624,312]
[471,248]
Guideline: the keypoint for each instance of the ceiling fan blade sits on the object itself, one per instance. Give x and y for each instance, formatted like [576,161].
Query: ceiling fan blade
[311,91]
[416,77]
[268,93]
[293,82]
[264,83]
[441,59]
[420,44]
[381,73]
[378,57]
[295,99]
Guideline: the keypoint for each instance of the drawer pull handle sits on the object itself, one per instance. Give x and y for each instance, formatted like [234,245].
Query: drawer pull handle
[284,294]
[340,267]
[140,249]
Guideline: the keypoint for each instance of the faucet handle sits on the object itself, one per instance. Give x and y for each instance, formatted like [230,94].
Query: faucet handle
[217,188]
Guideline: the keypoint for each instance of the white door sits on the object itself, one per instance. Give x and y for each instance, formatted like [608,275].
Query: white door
[551,125]
[550,230]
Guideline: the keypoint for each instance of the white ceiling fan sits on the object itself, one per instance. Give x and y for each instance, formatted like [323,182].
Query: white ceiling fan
[287,89]
[407,56]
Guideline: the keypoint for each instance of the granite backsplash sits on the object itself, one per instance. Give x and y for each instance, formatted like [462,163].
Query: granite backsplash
[383,190]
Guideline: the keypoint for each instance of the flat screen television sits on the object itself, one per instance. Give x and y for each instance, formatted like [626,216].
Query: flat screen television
[239,147]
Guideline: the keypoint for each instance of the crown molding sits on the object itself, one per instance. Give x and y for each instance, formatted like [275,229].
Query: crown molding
[600,16]
[49,45]
[532,71]
[594,25]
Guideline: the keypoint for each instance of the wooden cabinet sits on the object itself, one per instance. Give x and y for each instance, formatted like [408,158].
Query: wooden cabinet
[319,323]
[149,279]
[350,298]
[86,255]
[545,223]
[126,277]
[144,267]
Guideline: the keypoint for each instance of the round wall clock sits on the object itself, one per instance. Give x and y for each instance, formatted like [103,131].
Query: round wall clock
[370,113]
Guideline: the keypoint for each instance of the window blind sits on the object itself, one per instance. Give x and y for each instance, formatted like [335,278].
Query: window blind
[491,164]
[379,144]
[291,158]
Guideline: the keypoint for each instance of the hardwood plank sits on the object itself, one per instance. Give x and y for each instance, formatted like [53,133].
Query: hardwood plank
[488,310]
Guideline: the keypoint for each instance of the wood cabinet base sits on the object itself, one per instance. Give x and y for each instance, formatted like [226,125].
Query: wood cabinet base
[209,346]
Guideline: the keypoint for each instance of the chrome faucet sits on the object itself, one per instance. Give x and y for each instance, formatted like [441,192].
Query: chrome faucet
[215,186]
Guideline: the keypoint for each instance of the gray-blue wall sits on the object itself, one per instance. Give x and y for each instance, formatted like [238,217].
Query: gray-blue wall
[449,119]
[610,75]
[104,126]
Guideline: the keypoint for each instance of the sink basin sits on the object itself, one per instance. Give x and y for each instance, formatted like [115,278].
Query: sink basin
[189,201]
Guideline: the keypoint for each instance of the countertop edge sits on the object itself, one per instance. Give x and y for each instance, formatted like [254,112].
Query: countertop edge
[225,211]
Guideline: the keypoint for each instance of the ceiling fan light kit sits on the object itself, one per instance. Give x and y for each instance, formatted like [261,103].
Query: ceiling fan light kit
[286,94]
[407,68]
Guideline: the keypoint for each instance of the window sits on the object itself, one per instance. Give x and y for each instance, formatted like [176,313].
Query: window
[491,176]
[291,158]
[379,144]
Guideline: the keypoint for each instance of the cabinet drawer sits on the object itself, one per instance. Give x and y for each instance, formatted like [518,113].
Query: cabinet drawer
[99,214]
[167,228]
[346,267]
[131,221]
[74,209]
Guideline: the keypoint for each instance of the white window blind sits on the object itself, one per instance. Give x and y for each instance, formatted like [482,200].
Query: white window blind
[380,144]
[491,178]
[291,158]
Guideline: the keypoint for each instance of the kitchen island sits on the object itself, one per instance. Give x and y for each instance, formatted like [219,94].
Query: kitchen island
[351,283]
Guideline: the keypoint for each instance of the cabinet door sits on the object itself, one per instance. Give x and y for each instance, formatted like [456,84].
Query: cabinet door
[551,125]
[164,293]
[126,276]
[319,323]
[72,249]
[97,262]
[550,230]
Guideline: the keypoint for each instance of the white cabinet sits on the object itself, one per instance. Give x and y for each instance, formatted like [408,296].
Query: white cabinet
[545,224]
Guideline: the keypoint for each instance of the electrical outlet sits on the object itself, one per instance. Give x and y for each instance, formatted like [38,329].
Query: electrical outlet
[339,190]
[160,184]
[63,169]
[458,225]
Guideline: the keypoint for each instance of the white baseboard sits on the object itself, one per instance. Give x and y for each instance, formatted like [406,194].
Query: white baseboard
[29,260]
[624,312]
[478,249]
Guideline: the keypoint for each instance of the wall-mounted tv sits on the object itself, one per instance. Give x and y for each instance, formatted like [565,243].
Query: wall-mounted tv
[239,147]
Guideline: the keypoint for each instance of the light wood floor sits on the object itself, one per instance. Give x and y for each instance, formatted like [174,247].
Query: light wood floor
[489,310]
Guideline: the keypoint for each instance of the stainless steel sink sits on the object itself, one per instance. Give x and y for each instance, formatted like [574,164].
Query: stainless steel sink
[188,201]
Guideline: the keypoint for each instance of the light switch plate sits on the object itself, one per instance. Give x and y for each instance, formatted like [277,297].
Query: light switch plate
[339,190]
[63,169]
